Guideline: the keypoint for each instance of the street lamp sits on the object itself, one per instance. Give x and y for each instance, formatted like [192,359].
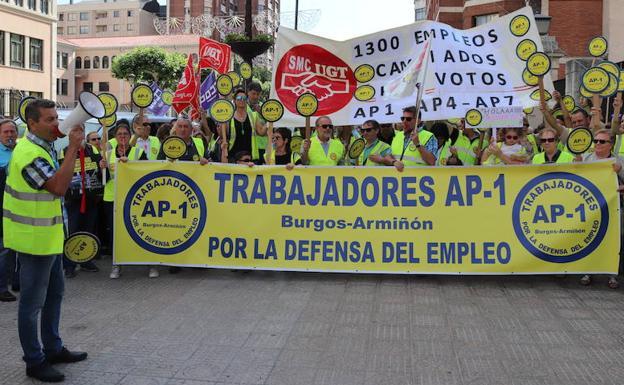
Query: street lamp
[543,24]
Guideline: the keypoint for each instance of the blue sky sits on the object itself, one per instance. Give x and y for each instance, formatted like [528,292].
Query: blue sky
[344,19]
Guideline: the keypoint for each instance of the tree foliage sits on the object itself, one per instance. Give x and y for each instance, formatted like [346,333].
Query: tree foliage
[150,63]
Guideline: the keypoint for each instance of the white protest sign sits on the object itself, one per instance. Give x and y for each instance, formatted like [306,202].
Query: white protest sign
[498,117]
[476,68]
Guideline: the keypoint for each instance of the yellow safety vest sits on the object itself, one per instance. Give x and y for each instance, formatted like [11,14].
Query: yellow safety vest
[317,156]
[154,148]
[464,149]
[255,155]
[493,159]
[33,219]
[411,155]
[109,189]
[377,149]
[564,157]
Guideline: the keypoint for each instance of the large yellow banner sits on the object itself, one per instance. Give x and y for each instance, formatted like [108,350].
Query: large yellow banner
[466,220]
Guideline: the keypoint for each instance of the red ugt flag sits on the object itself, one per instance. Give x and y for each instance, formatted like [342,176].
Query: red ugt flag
[213,54]
[186,93]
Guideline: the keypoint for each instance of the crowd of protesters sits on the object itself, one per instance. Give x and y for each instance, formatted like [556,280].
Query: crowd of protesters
[410,142]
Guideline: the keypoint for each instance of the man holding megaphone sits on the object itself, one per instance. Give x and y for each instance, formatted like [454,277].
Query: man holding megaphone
[34,226]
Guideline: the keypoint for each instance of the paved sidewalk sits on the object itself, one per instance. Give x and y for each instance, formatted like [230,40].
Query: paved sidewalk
[221,327]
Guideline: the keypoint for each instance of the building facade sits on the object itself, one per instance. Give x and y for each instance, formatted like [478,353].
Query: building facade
[94,57]
[102,18]
[27,51]
[65,72]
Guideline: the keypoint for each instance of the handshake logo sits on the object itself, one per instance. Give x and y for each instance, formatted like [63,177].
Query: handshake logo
[312,69]
[321,86]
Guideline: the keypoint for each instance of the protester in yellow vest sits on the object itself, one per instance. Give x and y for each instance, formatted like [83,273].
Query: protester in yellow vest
[142,139]
[253,98]
[322,150]
[282,154]
[550,154]
[195,151]
[454,148]
[510,151]
[122,152]
[244,129]
[34,226]
[477,145]
[376,152]
[413,146]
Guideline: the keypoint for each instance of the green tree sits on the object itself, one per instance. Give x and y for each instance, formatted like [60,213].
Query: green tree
[150,63]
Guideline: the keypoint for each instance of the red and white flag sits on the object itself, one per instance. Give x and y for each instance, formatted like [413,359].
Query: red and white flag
[215,55]
[186,93]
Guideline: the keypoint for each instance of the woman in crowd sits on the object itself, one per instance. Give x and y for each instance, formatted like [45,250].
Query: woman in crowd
[122,152]
[243,129]
[282,154]
[509,151]
[603,149]
[549,140]
[376,152]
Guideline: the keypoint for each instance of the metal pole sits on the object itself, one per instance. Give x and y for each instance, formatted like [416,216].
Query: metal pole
[296,13]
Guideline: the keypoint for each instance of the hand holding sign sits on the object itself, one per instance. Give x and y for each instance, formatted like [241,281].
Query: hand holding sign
[272,111]
[307,104]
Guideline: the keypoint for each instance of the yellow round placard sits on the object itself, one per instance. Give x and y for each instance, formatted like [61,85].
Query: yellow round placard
[598,46]
[528,110]
[535,95]
[81,247]
[584,93]
[538,64]
[272,110]
[519,25]
[526,48]
[224,85]
[611,87]
[142,96]
[579,140]
[595,80]
[356,148]
[108,121]
[621,81]
[364,93]
[295,143]
[167,97]
[110,103]
[529,78]
[245,70]
[364,73]
[174,147]
[236,79]
[307,104]
[21,110]
[568,103]
[610,67]
[222,111]
[473,117]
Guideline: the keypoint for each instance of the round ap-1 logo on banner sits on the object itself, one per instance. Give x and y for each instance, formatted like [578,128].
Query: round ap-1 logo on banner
[311,69]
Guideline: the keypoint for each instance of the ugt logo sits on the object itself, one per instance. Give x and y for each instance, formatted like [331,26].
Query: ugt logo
[310,68]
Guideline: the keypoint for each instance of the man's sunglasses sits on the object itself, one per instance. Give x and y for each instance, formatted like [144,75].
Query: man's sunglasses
[406,118]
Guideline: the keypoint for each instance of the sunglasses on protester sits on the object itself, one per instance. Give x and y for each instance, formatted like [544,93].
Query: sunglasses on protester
[327,126]
[406,118]
[366,129]
[94,139]
[241,97]
[547,140]
[514,137]
[601,141]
